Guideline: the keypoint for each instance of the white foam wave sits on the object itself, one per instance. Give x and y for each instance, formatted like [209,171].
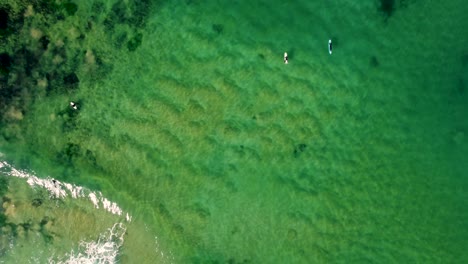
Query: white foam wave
[105,249]
[58,189]
[102,251]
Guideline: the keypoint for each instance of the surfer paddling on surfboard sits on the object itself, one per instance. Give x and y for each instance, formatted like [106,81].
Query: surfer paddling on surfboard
[330,46]
[74,105]
[285,58]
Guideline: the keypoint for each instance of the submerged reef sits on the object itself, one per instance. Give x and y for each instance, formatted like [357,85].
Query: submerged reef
[299,149]
[374,62]
[48,47]
[217,28]
[49,51]
[388,7]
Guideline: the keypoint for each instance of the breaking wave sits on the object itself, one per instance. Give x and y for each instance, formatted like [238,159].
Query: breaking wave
[62,190]
[105,249]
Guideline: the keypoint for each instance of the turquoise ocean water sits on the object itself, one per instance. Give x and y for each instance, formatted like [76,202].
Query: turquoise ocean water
[194,143]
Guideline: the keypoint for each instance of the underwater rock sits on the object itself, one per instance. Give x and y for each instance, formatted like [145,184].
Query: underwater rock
[26,226]
[70,152]
[45,7]
[8,93]
[90,155]
[464,60]
[70,8]
[44,40]
[374,62]
[44,225]
[234,261]
[71,80]
[53,82]
[292,233]
[163,211]
[117,15]
[81,36]
[387,7]
[4,17]
[36,202]
[44,221]
[201,211]
[141,12]
[91,158]
[135,42]
[3,190]
[3,220]
[119,12]
[89,24]
[26,60]
[5,63]
[120,39]
[302,147]
[109,25]
[98,7]
[218,28]
[299,149]
[133,13]
[9,22]
[3,187]
[178,228]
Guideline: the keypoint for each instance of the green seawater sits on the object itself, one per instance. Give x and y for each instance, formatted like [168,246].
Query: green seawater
[221,153]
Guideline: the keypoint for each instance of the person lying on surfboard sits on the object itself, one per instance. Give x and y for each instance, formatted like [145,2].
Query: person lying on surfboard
[73,105]
[285,58]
